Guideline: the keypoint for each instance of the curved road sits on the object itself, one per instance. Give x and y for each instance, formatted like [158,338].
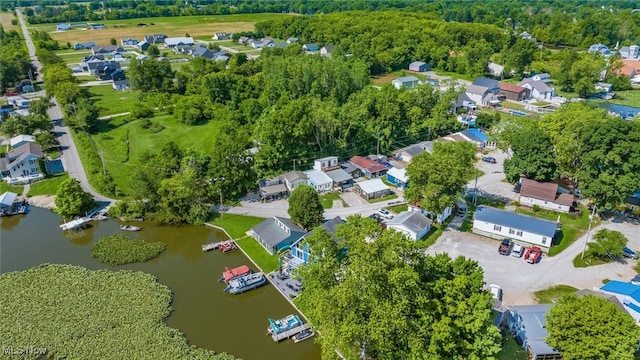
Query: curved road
[70,156]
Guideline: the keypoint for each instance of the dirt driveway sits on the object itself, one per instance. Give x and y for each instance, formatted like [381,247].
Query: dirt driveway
[519,279]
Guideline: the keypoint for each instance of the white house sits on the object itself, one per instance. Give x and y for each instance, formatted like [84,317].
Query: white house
[20,140]
[440,218]
[629,52]
[544,77]
[326,164]
[628,294]
[294,178]
[407,82]
[539,90]
[175,41]
[412,223]
[371,189]
[221,36]
[500,224]
[327,50]
[21,161]
[481,95]
[318,180]
[545,195]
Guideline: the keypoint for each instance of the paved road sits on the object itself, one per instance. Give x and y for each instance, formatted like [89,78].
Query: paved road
[70,156]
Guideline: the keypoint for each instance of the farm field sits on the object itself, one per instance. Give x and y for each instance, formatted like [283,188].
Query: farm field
[124,142]
[110,101]
[5,20]
[196,26]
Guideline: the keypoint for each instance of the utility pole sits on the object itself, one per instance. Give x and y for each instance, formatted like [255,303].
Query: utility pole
[475,190]
[588,231]
[221,209]
[294,164]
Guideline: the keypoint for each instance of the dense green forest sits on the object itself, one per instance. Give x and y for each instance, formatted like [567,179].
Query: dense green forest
[569,23]
[14,59]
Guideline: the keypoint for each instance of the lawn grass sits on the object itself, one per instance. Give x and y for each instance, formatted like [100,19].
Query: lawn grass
[627,98]
[398,208]
[454,75]
[549,295]
[589,260]
[4,187]
[510,349]
[72,58]
[236,225]
[572,227]
[384,198]
[258,254]
[5,20]
[327,200]
[110,101]
[47,186]
[124,142]
[196,26]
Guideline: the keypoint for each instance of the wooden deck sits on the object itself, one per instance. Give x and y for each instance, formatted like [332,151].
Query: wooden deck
[289,333]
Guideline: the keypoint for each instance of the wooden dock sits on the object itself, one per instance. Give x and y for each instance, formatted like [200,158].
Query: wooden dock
[289,333]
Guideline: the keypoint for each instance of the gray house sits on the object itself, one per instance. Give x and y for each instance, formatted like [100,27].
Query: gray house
[407,82]
[528,323]
[492,85]
[277,234]
[143,45]
[411,223]
[419,66]
[129,42]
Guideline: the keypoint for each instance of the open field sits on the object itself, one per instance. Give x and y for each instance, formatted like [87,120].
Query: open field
[110,101]
[72,57]
[123,142]
[5,20]
[627,98]
[196,26]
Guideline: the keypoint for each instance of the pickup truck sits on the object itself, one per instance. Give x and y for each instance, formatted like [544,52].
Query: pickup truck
[505,247]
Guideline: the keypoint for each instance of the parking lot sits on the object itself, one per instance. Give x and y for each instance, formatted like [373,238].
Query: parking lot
[519,279]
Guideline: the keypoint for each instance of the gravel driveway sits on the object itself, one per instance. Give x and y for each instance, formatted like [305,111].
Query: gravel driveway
[493,183]
[519,279]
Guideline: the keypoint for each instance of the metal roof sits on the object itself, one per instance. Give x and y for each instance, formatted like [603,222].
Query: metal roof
[339,175]
[273,234]
[477,89]
[415,221]
[22,138]
[318,177]
[372,186]
[622,288]
[486,82]
[513,220]
[400,174]
[534,324]
[407,79]
[7,198]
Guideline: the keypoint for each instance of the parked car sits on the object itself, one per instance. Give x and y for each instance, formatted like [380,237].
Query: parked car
[489,159]
[635,280]
[496,291]
[628,253]
[518,250]
[505,247]
[385,213]
[533,255]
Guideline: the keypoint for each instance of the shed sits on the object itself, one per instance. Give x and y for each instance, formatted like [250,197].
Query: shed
[407,82]
[419,66]
[6,200]
[371,189]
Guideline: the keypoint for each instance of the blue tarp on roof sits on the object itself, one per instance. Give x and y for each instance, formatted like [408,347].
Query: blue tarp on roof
[622,288]
[477,133]
[513,220]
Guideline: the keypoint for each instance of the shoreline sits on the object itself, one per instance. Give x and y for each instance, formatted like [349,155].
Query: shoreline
[42,201]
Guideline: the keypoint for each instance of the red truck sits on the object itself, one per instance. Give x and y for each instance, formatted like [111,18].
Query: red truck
[505,247]
[533,255]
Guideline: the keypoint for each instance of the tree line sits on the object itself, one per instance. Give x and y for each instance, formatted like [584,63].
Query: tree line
[15,64]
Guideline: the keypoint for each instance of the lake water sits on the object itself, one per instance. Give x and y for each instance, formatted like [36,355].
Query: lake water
[624,111]
[209,318]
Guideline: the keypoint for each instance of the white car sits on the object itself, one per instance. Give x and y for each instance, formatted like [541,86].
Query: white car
[385,213]
[496,291]
[518,250]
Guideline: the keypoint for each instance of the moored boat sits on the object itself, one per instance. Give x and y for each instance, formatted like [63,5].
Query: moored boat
[228,247]
[245,283]
[229,274]
[129,228]
[286,323]
[303,335]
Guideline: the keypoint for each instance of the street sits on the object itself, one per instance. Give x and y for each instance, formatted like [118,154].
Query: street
[70,156]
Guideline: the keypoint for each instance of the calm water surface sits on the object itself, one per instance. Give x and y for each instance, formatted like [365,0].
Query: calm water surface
[210,318]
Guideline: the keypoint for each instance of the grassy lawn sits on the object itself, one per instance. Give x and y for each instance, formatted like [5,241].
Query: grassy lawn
[5,20]
[628,98]
[4,187]
[572,227]
[110,101]
[549,295]
[73,58]
[454,75]
[589,260]
[48,186]
[87,78]
[196,26]
[510,349]
[124,142]
[258,254]
[236,225]
[327,200]
[398,208]
[384,198]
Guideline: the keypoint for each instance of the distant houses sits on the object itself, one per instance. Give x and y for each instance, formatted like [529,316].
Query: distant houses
[107,49]
[221,36]
[97,26]
[128,42]
[143,45]
[84,45]
[327,50]
[176,41]
[121,85]
[63,27]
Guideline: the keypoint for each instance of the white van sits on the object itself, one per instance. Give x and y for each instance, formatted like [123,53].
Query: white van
[496,291]
[518,250]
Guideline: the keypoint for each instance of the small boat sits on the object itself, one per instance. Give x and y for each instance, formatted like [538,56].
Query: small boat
[129,228]
[245,283]
[229,274]
[228,247]
[303,335]
[286,323]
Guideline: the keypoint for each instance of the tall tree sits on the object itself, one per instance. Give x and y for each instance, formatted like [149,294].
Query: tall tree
[438,178]
[183,198]
[532,156]
[305,208]
[382,299]
[608,244]
[232,162]
[151,76]
[591,328]
[71,200]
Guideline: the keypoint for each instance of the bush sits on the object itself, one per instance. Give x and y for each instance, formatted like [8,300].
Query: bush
[127,210]
[120,249]
[535,208]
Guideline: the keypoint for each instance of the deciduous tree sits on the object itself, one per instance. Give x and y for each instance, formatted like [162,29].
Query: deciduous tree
[151,76]
[608,244]
[591,328]
[305,208]
[71,200]
[532,156]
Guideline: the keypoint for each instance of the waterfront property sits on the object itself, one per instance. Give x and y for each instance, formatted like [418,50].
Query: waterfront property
[499,224]
[300,249]
[21,161]
[277,234]
[528,323]
[6,201]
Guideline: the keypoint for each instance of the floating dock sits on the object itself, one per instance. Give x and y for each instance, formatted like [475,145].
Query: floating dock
[289,333]
[74,224]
